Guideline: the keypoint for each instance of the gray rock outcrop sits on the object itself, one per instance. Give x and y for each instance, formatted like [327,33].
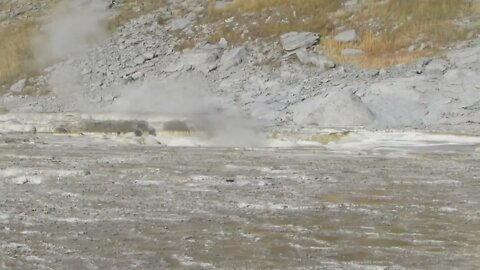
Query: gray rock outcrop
[295,40]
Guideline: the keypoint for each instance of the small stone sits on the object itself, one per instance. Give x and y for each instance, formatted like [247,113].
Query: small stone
[139,60]
[149,55]
[18,86]
[373,72]
[347,36]
[137,75]
[352,52]
[424,46]
[437,66]
[223,43]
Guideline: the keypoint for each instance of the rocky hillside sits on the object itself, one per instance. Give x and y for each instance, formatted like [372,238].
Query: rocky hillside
[286,63]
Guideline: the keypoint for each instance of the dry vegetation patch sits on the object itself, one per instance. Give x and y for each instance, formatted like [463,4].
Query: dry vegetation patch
[130,9]
[252,19]
[16,51]
[387,29]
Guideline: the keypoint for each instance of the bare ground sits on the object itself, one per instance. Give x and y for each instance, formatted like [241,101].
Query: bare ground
[80,202]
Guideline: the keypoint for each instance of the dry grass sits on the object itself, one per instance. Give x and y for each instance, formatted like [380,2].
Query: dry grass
[402,23]
[130,9]
[16,54]
[184,45]
[271,18]
[386,29]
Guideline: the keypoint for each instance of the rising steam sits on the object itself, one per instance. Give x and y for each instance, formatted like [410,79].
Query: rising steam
[77,25]
[187,96]
[73,26]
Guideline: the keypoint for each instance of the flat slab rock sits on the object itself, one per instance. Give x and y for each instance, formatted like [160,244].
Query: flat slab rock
[296,40]
[347,36]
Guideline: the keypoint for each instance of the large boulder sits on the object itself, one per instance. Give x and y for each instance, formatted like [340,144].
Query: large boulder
[339,108]
[295,40]
[400,102]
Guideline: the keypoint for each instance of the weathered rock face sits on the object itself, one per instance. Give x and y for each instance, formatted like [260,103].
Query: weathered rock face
[426,101]
[295,40]
[340,108]
[396,103]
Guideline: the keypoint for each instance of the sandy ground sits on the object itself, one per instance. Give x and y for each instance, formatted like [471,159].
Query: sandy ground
[92,202]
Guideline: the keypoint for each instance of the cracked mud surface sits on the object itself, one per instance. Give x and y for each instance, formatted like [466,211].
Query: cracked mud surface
[82,203]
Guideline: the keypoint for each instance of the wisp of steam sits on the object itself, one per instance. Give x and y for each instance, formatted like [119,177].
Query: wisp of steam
[73,26]
[187,96]
[77,25]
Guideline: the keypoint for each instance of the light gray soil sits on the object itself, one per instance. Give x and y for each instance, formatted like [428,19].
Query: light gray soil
[94,172]
[80,202]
